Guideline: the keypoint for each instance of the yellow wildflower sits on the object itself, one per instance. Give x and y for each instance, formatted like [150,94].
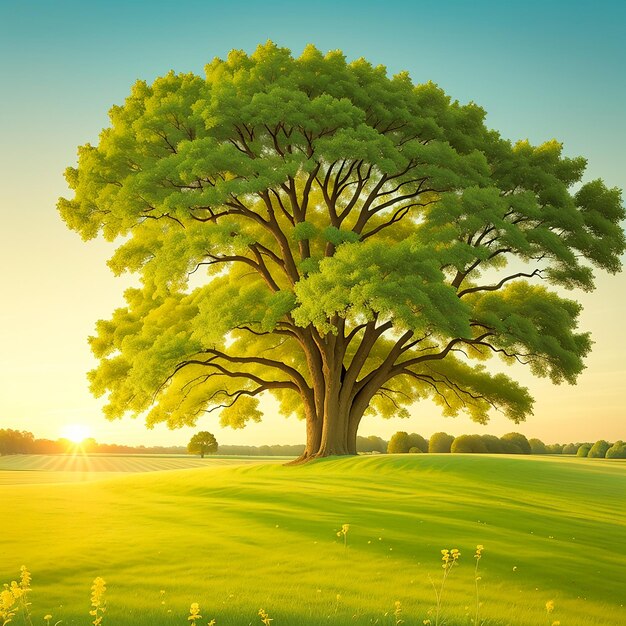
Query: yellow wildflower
[344,530]
[98,588]
[449,557]
[344,533]
[397,613]
[194,613]
[550,606]
[25,578]
[16,590]
[7,602]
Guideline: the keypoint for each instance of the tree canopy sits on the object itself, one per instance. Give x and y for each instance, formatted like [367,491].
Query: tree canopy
[347,241]
[202,443]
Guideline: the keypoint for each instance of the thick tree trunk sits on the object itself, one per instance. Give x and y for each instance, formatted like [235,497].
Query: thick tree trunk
[327,436]
[334,415]
[332,435]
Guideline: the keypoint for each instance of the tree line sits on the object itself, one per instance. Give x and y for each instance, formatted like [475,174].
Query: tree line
[511,443]
[24,442]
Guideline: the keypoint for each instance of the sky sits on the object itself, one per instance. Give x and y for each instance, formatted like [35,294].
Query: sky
[541,70]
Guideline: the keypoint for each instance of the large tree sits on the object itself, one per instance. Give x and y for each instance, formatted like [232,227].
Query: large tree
[345,241]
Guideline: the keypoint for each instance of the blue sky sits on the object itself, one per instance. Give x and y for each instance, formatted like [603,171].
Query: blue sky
[540,69]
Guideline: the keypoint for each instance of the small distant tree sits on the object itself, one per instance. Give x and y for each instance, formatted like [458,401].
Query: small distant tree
[617,451]
[469,444]
[202,443]
[493,444]
[440,443]
[371,444]
[378,444]
[47,446]
[509,447]
[399,443]
[363,444]
[537,446]
[15,442]
[583,449]
[518,440]
[570,448]
[599,449]
[417,441]
[89,445]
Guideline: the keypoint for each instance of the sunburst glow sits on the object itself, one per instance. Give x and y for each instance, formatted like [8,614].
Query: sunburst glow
[76,433]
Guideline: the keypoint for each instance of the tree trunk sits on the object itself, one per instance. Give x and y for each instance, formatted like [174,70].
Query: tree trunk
[313,439]
[353,427]
[334,434]
[333,416]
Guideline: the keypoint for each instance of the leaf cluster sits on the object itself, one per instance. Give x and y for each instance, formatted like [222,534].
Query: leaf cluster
[282,209]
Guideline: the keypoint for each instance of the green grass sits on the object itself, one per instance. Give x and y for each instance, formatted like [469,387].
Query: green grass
[238,538]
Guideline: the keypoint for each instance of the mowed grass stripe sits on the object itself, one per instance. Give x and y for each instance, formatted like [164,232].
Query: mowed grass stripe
[92,465]
[240,538]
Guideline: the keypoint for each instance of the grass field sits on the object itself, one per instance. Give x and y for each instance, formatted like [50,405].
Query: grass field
[88,467]
[237,538]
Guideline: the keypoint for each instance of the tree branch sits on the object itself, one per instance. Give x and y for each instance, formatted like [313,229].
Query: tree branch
[464,292]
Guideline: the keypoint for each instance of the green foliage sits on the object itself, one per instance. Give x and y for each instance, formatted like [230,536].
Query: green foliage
[363,444]
[417,441]
[468,444]
[16,441]
[583,450]
[378,444]
[415,450]
[293,218]
[554,448]
[537,446]
[617,451]
[399,443]
[493,444]
[515,443]
[570,448]
[371,444]
[598,449]
[440,443]
[402,442]
[202,443]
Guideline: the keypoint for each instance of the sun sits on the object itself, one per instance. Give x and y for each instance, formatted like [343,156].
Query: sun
[76,433]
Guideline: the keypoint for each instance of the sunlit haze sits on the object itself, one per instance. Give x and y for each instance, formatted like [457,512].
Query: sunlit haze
[76,433]
[541,70]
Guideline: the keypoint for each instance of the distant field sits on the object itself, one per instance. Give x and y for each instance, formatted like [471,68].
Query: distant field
[19,469]
[249,536]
